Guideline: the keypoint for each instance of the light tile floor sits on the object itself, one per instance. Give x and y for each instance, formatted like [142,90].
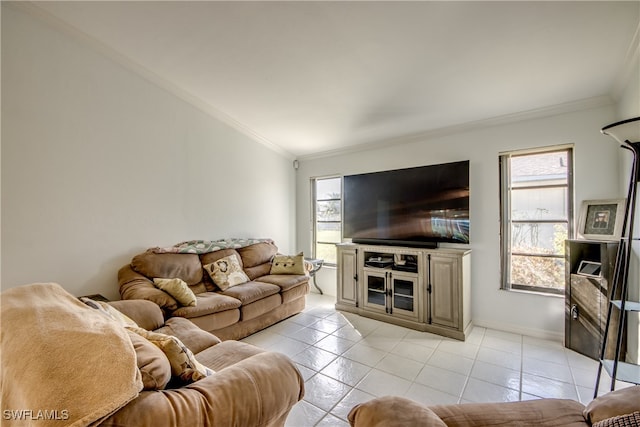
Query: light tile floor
[346,359]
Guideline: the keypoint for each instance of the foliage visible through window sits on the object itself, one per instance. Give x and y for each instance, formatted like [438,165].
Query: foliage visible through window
[536,219]
[327,228]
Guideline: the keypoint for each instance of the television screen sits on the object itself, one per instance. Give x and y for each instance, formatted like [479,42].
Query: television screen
[414,206]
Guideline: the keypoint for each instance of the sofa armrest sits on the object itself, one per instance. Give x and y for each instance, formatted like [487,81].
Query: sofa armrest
[257,391]
[392,411]
[192,336]
[145,313]
[538,412]
[134,285]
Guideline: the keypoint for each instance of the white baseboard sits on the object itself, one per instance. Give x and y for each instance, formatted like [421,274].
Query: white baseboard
[557,336]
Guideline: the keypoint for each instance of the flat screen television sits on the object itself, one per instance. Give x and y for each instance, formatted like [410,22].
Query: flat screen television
[419,206]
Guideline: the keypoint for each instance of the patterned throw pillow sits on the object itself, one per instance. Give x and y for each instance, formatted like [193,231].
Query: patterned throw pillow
[226,272]
[628,420]
[178,289]
[288,264]
[183,363]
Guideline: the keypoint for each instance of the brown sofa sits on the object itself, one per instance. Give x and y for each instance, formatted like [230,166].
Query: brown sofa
[67,361]
[231,314]
[617,408]
[250,387]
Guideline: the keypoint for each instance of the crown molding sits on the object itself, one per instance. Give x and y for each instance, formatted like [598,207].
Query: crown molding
[568,107]
[43,15]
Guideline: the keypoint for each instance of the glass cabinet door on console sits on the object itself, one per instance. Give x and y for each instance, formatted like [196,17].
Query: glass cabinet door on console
[391,292]
[403,293]
[375,288]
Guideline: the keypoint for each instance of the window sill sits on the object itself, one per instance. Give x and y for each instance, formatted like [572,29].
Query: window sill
[537,293]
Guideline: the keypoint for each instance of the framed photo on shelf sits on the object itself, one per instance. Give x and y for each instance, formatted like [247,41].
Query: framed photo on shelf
[601,219]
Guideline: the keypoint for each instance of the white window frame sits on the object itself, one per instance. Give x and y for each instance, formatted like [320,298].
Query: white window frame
[506,214]
[314,219]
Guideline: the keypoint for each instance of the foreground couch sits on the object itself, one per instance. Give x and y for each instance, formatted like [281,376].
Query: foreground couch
[233,313]
[66,363]
[617,408]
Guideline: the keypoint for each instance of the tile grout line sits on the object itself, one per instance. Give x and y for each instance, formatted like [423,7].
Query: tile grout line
[521,369]
[475,359]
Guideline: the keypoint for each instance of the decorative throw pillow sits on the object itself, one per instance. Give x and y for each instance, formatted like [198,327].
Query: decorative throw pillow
[178,289]
[152,362]
[288,264]
[628,420]
[226,272]
[183,363]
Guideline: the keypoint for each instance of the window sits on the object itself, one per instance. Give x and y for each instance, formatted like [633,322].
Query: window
[327,223]
[536,218]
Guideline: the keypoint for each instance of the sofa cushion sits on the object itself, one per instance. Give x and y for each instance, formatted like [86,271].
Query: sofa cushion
[217,321]
[251,291]
[183,363]
[178,289]
[295,292]
[200,287]
[184,266]
[146,314]
[256,254]
[284,281]
[537,412]
[227,353]
[260,307]
[288,264]
[152,362]
[210,257]
[258,271]
[186,331]
[208,303]
[619,402]
[226,272]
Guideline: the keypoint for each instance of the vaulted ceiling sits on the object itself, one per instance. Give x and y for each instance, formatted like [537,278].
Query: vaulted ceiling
[312,77]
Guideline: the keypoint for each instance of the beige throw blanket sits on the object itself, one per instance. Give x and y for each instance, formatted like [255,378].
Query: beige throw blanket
[62,362]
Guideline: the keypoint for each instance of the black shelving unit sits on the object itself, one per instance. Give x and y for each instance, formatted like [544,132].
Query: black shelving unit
[587,295]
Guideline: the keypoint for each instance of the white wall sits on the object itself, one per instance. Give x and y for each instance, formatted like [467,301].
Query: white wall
[99,164]
[596,170]
[628,104]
